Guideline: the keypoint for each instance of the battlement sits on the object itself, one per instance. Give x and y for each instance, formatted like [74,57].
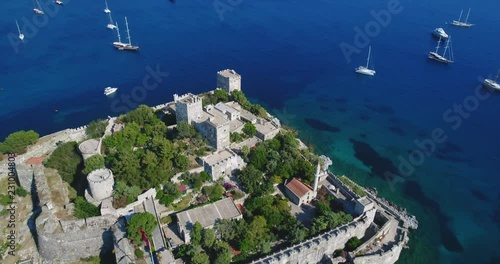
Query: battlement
[188,98]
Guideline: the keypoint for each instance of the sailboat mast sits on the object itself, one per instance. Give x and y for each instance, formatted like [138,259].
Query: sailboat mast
[368,59]
[128,33]
[446,47]
[467,18]
[460,17]
[106,4]
[498,74]
[118,31]
[18,29]
[110,19]
[437,47]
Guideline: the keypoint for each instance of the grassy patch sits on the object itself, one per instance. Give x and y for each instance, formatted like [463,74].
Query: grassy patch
[184,203]
[354,187]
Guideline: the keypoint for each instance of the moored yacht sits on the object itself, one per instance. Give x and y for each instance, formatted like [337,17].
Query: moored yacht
[58,2]
[493,84]
[111,25]
[440,33]
[106,10]
[442,58]
[365,70]
[37,8]
[21,35]
[125,46]
[109,90]
[460,23]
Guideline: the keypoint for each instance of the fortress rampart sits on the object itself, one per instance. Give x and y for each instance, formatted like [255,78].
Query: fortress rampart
[313,250]
[385,257]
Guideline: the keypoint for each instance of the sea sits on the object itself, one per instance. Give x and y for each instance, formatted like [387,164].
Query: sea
[424,134]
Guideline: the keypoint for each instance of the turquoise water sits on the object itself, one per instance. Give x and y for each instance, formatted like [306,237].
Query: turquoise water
[289,56]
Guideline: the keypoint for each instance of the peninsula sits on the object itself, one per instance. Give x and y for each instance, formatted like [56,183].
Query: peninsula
[208,178]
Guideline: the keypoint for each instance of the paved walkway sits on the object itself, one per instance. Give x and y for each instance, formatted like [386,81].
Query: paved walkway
[158,240]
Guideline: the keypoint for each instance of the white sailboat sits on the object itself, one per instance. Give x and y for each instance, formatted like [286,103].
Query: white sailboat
[125,46]
[462,24]
[111,25]
[493,84]
[366,70]
[118,44]
[442,58]
[106,10]
[37,8]
[21,35]
[58,2]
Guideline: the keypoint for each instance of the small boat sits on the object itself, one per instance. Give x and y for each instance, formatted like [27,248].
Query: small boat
[124,46]
[21,35]
[434,55]
[111,25]
[58,2]
[109,90]
[458,23]
[365,70]
[106,10]
[37,8]
[439,32]
[493,84]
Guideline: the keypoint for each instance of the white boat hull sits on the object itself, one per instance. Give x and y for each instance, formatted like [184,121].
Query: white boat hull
[437,57]
[21,37]
[461,24]
[491,84]
[107,11]
[439,32]
[111,26]
[109,90]
[365,71]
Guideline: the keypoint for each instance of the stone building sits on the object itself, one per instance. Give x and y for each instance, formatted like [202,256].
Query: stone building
[188,108]
[299,192]
[222,163]
[207,216]
[90,147]
[363,204]
[228,80]
[101,184]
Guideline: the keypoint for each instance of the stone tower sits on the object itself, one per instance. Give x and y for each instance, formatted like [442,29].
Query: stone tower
[101,183]
[90,147]
[188,107]
[228,80]
[316,178]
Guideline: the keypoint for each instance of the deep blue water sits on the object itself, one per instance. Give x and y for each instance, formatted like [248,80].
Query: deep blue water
[289,56]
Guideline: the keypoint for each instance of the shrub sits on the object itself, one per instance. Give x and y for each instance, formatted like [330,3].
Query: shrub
[17,142]
[138,253]
[66,160]
[83,209]
[96,128]
[21,191]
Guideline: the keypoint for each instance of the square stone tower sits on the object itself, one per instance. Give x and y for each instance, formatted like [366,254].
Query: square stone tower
[228,80]
[188,107]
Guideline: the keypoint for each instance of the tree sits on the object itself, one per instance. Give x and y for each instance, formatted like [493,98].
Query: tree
[185,130]
[249,129]
[245,150]
[257,234]
[208,238]
[142,115]
[352,243]
[182,162]
[83,209]
[139,253]
[222,252]
[250,178]
[93,163]
[66,160]
[214,193]
[196,233]
[140,221]
[21,191]
[200,258]
[221,95]
[17,142]
[96,128]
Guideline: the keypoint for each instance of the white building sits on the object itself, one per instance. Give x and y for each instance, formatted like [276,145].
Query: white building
[207,216]
[101,184]
[228,80]
[222,163]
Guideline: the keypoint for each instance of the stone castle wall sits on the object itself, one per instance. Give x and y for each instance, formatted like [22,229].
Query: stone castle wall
[385,257]
[313,250]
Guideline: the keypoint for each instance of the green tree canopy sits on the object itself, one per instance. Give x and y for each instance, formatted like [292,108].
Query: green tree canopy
[83,209]
[196,233]
[17,142]
[140,221]
[93,163]
[142,115]
[66,160]
[208,238]
[96,128]
[185,130]
[200,258]
[249,129]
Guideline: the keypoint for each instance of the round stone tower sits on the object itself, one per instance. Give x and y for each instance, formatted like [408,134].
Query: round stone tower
[90,147]
[101,184]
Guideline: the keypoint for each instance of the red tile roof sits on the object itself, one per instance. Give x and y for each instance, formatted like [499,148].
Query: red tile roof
[182,187]
[35,160]
[240,208]
[298,187]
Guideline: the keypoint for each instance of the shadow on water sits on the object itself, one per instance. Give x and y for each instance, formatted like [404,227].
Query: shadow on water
[372,159]
[320,125]
[35,211]
[449,240]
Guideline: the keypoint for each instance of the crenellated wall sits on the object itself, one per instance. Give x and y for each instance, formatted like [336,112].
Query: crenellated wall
[385,257]
[313,250]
